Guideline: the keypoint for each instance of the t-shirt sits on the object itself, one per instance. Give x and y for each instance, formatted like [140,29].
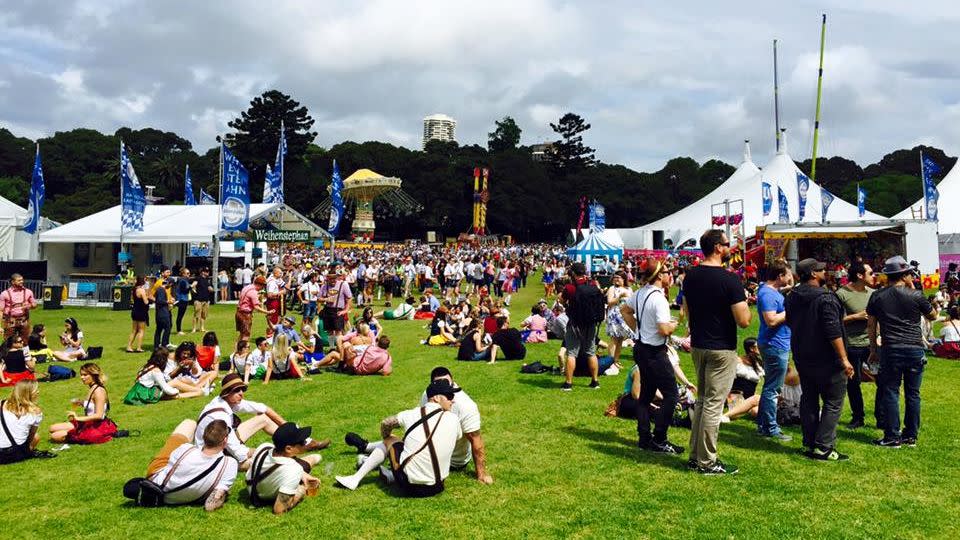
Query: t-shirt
[19,427]
[373,360]
[249,299]
[510,342]
[235,447]
[770,299]
[855,302]
[247,275]
[193,464]
[310,291]
[710,291]
[949,332]
[469,414]
[285,479]
[446,430]
[898,311]
[655,311]
[203,291]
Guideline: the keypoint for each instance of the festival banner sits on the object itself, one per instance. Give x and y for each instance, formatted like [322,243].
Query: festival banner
[188,197]
[206,198]
[273,181]
[767,192]
[928,168]
[133,201]
[826,199]
[861,200]
[336,201]
[598,217]
[783,206]
[37,194]
[803,185]
[235,193]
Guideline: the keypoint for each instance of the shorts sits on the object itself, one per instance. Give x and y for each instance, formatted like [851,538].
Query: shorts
[201,309]
[483,355]
[332,321]
[406,488]
[160,460]
[16,453]
[244,321]
[310,310]
[580,340]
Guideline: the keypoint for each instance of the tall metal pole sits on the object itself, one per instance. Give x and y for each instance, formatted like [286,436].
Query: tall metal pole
[923,188]
[816,121]
[776,95]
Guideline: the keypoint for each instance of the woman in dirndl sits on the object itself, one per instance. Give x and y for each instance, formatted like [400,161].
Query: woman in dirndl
[617,329]
[92,426]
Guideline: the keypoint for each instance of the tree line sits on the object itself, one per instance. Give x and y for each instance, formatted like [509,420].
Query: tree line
[529,199]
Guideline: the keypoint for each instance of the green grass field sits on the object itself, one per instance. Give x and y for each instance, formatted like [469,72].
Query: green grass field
[561,469]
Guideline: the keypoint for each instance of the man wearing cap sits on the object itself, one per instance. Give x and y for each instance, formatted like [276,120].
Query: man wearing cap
[227,405]
[420,461]
[194,473]
[287,327]
[248,303]
[897,309]
[278,474]
[818,341]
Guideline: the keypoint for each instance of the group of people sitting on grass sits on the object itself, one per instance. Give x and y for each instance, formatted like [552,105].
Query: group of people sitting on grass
[19,358]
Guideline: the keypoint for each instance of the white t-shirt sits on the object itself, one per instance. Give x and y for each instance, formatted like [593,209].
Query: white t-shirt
[446,429]
[656,311]
[247,274]
[234,446]
[19,427]
[310,291]
[193,465]
[286,479]
[949,332]
[238,276]
[469,414]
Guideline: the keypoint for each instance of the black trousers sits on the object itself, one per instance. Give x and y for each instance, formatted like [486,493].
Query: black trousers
[181,311]
[857,356]
[656,373]
[820,406]
[161,335]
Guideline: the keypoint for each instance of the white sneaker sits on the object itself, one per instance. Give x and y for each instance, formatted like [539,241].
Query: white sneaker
[350,482]
[612,370]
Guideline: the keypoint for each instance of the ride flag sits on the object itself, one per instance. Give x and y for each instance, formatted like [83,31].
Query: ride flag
[767,193]
[826,199]
[37,193]
[931,195]
[234,193]
[782,203]
[803,185]
[336,200]
[206,198]
[188,197]
[598,217]
[133,201]
[861,200]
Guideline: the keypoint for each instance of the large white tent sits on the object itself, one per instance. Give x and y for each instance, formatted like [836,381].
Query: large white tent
[14,242]
[746,185]
[949,188]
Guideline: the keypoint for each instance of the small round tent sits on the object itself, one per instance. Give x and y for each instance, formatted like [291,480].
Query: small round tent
[592,249]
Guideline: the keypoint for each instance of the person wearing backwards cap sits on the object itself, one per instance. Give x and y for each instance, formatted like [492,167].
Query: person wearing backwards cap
[818,341]
[420,461]
[278,474]
[227,405]
[248,303]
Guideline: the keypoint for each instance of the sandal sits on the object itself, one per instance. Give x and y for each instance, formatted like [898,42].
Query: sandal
[130,351]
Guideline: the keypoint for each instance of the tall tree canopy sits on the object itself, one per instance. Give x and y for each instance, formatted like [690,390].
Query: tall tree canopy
[506,136]
[569,153]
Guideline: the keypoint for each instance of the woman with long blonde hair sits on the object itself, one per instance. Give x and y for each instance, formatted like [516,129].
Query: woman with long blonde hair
[91,426]
[283,361]
[21,417]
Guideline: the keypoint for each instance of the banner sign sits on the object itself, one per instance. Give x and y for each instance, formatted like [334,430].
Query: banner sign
[279,236]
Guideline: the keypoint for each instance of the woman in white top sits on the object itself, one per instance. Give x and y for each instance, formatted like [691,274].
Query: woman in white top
[91,426]
[617,329]
[742,397]
[21,420]
[949,346]
[188,370]
[72,341]
[151,385]
[245,364]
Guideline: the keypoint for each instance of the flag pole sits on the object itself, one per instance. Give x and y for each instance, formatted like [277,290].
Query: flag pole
[121,195]
[923,188]
[816,121]
[776,95]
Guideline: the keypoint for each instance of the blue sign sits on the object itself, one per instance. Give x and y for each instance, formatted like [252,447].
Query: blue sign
[803,185]
[861,201]
[767,194]
[826,199]
[234,193]
[336,200]
[930,193]
[598,217]
[784,208]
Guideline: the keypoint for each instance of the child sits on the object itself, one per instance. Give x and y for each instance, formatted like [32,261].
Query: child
[208,354]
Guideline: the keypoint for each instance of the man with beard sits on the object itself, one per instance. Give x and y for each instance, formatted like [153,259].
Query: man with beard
[815,318]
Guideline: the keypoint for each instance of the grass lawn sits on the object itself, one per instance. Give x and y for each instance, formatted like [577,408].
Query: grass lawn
[561,469]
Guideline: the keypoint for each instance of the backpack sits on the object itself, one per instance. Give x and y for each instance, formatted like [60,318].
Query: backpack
[588,306]
[60,373]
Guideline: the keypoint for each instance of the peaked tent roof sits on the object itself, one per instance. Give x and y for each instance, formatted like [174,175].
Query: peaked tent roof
[173,224]
[594,245]
[949,188]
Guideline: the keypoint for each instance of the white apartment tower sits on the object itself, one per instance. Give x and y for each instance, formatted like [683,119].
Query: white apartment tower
[439,127]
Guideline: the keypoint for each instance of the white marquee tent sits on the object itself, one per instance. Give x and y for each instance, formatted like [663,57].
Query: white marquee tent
[949,188]
[14,242]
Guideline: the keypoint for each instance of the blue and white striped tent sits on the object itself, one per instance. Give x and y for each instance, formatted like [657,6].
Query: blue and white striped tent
[594,246]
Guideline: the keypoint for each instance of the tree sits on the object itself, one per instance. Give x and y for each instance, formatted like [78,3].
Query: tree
[505,137]
[569,153]
[258,131]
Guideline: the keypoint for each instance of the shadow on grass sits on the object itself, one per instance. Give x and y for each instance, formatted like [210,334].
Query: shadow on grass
[612,444]
[744,435]
[551,383]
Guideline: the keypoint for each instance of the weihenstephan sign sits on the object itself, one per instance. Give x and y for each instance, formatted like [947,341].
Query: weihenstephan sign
[279,236]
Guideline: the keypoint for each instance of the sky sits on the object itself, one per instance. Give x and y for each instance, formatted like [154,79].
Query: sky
[655,80]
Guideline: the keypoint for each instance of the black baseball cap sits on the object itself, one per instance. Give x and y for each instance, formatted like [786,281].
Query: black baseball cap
[290,434]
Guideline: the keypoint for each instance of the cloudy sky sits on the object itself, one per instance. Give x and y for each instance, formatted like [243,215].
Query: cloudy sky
[655,79]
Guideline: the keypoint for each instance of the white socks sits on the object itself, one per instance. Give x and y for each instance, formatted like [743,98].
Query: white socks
[377,456]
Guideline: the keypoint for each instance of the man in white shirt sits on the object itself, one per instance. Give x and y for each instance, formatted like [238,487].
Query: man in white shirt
[421,461]
[409,272]
[278,475]
[308,293]
[191,474]
[247,275]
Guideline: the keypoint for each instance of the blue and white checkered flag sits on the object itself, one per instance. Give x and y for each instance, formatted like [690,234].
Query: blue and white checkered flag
[133,201]
[188,197]
[37,194]
[273,182]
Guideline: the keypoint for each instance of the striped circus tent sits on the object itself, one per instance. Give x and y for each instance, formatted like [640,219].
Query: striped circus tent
[594,246]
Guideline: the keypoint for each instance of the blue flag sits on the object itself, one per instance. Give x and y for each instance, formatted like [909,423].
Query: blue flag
[37,192]
[861,200]
[784,208]
[188,197]
[336,200]
[206,198]
[273,181]
[767,194]
[234,193]
[598,217]
[133,201]
[930,193]
[803,185]
[826,198]
[268,182]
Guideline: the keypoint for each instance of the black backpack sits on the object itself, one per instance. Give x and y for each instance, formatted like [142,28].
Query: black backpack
[588,306]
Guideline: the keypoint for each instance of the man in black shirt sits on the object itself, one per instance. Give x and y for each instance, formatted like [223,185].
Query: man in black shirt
[202,293]
[898,309]
[716,305]
[509,341]
[818,342]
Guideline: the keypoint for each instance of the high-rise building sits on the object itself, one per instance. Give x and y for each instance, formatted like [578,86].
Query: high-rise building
[439,127]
